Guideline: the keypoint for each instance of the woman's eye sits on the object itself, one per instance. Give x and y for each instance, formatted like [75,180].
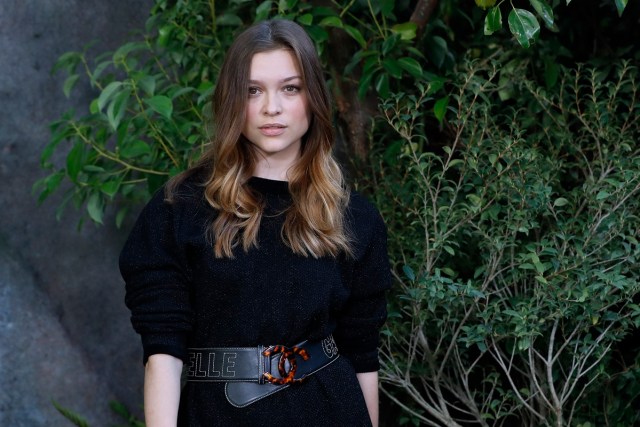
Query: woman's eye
[291,89]
[253,91]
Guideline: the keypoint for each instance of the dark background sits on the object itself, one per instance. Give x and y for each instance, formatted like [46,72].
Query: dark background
[64,329]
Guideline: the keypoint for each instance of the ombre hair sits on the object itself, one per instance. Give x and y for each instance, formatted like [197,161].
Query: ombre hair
[314,224]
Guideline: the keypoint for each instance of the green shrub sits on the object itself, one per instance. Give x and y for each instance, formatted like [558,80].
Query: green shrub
[518,246]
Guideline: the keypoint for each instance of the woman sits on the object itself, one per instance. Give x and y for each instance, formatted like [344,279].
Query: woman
[256,269]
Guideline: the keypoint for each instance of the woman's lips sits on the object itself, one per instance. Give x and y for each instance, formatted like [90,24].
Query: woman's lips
[272,129]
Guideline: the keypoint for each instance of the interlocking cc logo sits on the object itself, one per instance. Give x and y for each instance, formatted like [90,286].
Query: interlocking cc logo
[286,354]
[329,346]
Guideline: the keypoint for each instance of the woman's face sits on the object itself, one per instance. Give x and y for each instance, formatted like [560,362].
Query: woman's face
[277,114]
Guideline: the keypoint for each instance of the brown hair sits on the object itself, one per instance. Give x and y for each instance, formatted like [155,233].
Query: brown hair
[314,224]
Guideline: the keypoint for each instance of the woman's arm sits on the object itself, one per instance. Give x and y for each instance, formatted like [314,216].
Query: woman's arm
[369,385]
[162,390]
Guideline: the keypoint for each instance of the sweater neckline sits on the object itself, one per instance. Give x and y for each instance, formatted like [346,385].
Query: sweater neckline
[269,186]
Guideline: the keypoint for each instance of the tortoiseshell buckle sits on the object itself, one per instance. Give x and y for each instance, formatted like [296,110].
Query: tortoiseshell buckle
[286,355]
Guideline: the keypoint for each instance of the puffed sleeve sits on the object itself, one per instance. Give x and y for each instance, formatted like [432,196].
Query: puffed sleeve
[155,270]
[358,329]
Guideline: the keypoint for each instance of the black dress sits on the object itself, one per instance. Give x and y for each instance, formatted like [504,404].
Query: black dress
[181,296]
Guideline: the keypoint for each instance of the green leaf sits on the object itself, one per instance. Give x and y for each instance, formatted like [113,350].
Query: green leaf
[76,419]
[135,149]
[116,109]
[125,49]
[69,83]
[148,84]
[356,35]
[544,11]
[263,10]
[306,19]
[95,208]
[75,160]
[493,21]
[412,66]
[386,6]
[229,19]
[406,30]
[440,108]
[408,271]
[620,5]
[331,21]
[365,84]
[560,201]
[392,67]
[524,25]
[107,93]
[161,104]
[437,50]
[602,195]
[382,85]
[110,188]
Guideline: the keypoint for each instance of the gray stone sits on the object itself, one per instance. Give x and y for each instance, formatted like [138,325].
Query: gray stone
[64,330]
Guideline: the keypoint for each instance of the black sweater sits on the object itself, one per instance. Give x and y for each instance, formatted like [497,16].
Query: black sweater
[181,296]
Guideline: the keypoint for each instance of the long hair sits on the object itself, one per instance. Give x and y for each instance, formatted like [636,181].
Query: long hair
[314,223]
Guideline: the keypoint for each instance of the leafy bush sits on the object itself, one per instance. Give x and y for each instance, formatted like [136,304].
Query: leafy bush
[518,243]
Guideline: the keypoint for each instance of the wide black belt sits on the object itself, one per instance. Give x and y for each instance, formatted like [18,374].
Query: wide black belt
[252,373]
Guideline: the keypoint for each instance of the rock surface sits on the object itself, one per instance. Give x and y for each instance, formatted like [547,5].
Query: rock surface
[64,330]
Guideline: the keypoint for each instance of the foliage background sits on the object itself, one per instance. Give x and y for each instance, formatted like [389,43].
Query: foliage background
[507,177]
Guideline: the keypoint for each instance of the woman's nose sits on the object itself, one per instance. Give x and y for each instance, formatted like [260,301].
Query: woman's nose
[272,105]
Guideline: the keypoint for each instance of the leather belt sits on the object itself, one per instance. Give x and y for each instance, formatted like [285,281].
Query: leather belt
[252,373]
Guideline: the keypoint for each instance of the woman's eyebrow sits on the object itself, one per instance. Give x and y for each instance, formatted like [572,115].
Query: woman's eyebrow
[285,80]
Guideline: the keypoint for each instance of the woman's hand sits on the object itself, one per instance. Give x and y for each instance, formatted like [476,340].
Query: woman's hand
[162,390]
[369,385]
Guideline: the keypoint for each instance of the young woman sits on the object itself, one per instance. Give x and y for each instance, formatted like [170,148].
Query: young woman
[256,270]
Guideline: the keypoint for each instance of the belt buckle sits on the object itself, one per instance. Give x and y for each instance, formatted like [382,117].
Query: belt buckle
[286,355]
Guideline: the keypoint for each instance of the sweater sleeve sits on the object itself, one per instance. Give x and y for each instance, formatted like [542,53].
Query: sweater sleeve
[155,271]
[358,328]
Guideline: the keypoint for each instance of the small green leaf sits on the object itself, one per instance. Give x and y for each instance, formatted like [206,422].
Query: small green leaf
[541,280]
[382,85]
[161,104]
[440,108]
[493,21]
[437,49]
[135,149]
[263,10]
[602,195]
[306,19]
[392,67]
[449,250]
[110,188]
[75,160]
[412,66]
[107,93]
[485,4]
[95,208]
[76,419]
[524,25]
[560,201]
[69,83]
[407,30]
[620,5]
[356,35]
[116,109]
[148,84]
[331,21]
[408,271]
[163,35]
[229,19]
[544,11]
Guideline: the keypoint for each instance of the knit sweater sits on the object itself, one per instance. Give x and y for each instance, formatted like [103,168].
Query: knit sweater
[181,296]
